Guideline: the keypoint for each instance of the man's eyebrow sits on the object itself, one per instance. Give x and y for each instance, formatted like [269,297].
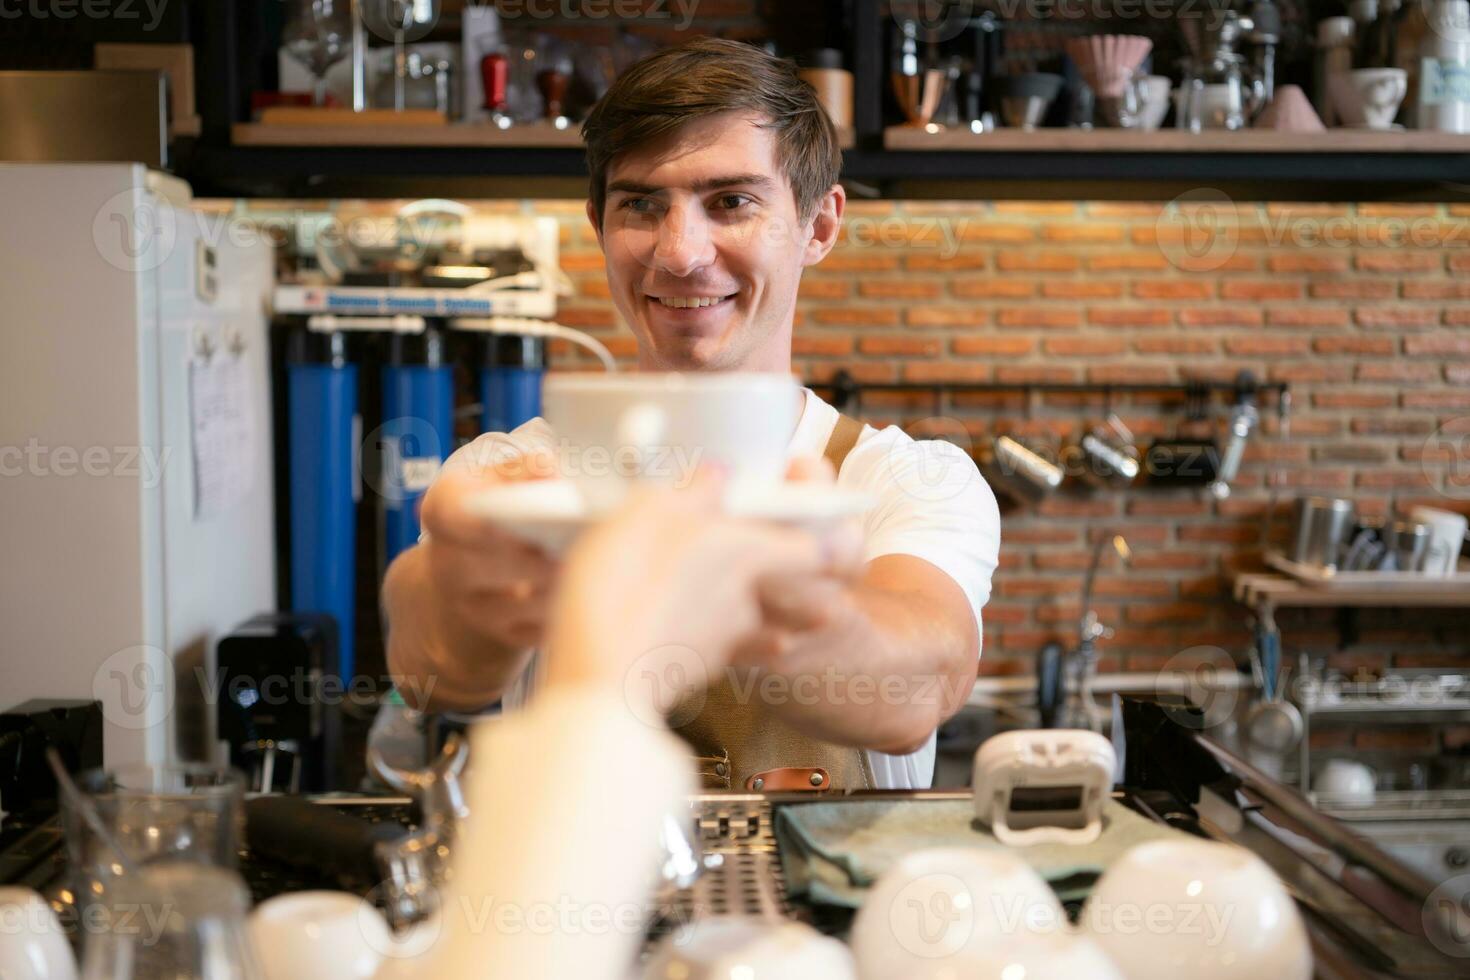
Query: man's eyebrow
[760,181]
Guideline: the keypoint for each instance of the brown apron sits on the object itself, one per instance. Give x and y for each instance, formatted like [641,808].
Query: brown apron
[739,745]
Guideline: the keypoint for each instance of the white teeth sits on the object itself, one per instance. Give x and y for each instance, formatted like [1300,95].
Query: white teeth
[689,302]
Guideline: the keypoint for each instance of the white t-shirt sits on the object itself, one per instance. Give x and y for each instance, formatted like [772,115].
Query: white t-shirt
[932,504]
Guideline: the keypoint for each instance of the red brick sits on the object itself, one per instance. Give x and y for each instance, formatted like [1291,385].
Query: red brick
[1016,587]
[1034,374]
[1049,209]
[1354,399]
[1056,506]
[1084,232]
[1081,289]
[994,288]
[1406,372]
[906,346]
[1169,560]
[1037,262]
[1452,400]
[1379,346]
[997,231]
[1220,533]
[856,316]
[959,262]
[1252,290]
[825,289]
[1306,262]
[1388,426]
[1167,507]
[1437,345]
[1311,373]
[1308,316]
[1120,374]
[1061,561]
[1174,289]
[1399,261]
[1221,316]
[1396,316]
[993,346]
[1420,738]
[853,259]
[953,371]
[1168,612]
[808,346]
[1144,261]
[1397,210]
[899,289]
[948,316]
[1084,346]
[1129,317]
[1271,346]
[1036,316]
[1353,289]
[1176,345]
[1460,263]
[1132,587]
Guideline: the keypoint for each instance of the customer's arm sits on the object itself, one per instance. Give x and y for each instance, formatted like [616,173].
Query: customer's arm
[553,874]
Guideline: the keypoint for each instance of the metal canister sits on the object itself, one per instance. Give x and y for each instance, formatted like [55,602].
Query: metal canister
[1322,526]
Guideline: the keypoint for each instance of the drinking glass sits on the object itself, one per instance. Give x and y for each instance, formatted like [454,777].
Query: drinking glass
[318,33]
[176,920]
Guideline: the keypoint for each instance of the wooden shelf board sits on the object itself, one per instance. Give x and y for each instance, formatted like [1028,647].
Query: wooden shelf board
[537,136]
[904,138]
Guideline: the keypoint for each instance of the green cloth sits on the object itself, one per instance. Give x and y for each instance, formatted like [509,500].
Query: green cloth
[832,851]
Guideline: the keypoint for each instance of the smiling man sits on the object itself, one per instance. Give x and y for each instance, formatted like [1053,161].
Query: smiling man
[714,185]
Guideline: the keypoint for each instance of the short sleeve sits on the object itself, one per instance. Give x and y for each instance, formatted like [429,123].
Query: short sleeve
[932,504]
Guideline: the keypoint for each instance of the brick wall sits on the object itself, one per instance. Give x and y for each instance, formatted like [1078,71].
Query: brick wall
[1364,310]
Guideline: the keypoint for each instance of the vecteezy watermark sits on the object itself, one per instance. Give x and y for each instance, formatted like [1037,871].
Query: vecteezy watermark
[1199,231]
[1446,917]
[668,685]
[1208,920]
[401,457]
[303,687]
[1198,675]
[936,465]
[671,465]
[135,687]
[944,20]
[910,232]
[1447,452]
[681,12]
[134,231]
[144,922]
[123,10]
[144,463]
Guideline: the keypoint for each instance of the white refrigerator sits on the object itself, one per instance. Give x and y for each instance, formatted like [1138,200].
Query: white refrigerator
[136,512]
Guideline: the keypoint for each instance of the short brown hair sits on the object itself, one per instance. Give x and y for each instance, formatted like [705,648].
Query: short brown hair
[704,77]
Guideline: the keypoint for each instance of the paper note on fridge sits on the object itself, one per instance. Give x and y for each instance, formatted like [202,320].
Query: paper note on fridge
[222,421]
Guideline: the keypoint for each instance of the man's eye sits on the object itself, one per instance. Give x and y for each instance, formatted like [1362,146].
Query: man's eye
[733,202]
[638,205]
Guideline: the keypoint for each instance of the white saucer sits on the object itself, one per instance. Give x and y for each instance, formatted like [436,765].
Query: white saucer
[551,513]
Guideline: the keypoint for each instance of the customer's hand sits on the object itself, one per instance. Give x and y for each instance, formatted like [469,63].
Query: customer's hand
[493,583]
[671,577]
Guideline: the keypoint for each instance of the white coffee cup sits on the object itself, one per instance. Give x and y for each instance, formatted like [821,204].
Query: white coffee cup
[1197,909]
[1369,97]
[952,903]
[319,935]
[615,429]
[746,948]
[32,943]
[1347,780]
[1446,537]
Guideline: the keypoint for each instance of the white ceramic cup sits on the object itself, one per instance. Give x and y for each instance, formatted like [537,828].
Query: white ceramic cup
[1369,96]
[319,935]
[32,943]
[1347,780]
[952,902]
[1197,909]
[1155,92]
[1446,538]
[614,429]
[747,948]
[1062,956]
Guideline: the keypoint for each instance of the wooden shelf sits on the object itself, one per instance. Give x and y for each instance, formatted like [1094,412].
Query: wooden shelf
[536,136]
[1271,590]
[1259,141]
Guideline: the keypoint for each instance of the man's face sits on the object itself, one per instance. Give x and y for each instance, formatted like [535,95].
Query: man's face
[705,247]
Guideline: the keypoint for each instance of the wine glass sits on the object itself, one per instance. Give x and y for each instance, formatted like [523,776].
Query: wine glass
[318,34]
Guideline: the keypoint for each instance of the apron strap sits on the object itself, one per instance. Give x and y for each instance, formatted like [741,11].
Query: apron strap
[844,438]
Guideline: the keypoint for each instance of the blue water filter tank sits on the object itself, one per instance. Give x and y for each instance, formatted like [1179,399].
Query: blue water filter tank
[321,404]
[417,433]
[510,382]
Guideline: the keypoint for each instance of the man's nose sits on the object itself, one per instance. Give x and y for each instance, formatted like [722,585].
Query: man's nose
[684,245]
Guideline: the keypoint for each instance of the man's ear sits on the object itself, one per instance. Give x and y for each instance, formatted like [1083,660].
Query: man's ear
[595,219]
[826,225]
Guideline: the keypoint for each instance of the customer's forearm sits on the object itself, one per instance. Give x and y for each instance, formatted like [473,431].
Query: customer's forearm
[438,662]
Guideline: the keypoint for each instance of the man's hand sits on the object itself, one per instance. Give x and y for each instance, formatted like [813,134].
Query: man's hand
[495,583]
[466,605]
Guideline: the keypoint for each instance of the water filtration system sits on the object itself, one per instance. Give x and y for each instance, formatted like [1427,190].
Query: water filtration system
[375,363]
